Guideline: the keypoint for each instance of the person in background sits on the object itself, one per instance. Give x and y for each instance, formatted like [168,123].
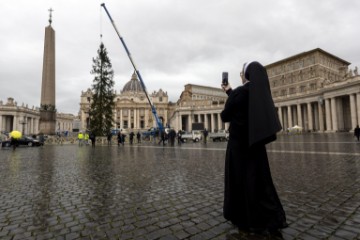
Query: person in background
[86,138]
[172,136]
[80,138]
[162,137]
[119,138]
[131,136]
[138,136]
[205,134]
[109,137]
[92,139]
[179,137]
[357,132]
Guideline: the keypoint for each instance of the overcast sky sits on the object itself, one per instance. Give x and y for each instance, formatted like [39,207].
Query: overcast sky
[173,42]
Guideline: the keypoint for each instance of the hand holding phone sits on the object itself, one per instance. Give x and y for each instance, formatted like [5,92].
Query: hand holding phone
[225,78]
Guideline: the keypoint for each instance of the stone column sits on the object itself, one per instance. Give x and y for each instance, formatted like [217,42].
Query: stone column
[289,117]
[32,125]
[353,112]
[48,116]
[15,124]
[299,115]
[190,118]
[175,122]
[129,118]
[328,115]
[1,122]
[280,117]
[212,122]
[321,117]
[310,117]
[358,107]
[135,118]
[36,130]
[206,122]
[219,121]
[334,114]
[179,125]
[121,119]
[166,117]
[340,116]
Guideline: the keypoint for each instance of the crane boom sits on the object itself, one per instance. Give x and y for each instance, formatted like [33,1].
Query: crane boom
[153,109]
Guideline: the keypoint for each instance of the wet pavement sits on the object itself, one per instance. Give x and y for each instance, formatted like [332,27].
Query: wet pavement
[146,191]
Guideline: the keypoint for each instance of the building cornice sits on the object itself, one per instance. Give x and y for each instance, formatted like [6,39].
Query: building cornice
[297,56]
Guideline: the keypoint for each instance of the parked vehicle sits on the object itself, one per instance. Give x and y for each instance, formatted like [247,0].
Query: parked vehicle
[153,131]
[194,135]
[24,141]
[221,135]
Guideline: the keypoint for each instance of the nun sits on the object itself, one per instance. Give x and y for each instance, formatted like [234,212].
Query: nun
[250,198]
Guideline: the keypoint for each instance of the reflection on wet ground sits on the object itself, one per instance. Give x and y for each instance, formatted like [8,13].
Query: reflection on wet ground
[153,192]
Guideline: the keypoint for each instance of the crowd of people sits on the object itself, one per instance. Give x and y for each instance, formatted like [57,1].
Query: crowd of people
[165,136]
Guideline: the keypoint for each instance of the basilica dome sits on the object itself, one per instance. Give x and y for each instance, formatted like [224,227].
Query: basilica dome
[133,85]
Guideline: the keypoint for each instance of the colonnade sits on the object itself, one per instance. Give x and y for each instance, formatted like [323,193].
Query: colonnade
[139,119]
[26,124]
[212,121]
[328,113]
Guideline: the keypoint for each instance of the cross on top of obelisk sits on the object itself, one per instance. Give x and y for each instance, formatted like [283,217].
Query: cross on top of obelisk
[50,16]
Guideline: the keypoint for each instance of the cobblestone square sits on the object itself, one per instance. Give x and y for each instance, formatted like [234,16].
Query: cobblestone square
[147,191]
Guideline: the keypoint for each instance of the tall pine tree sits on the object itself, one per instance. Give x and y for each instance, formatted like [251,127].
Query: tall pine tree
[102,105]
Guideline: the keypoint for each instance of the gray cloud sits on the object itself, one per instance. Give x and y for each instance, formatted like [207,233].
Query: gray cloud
[173,42]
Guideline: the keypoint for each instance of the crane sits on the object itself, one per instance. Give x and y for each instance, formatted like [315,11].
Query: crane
[153,109]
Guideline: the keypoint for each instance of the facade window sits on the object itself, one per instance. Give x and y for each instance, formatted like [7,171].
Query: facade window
[125,124]
[313,86]
[142,124]
[160,99]
[301,63]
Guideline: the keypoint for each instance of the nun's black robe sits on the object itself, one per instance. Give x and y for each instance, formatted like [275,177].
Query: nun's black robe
[250,201]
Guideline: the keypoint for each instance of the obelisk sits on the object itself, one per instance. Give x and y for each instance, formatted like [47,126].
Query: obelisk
[47,105]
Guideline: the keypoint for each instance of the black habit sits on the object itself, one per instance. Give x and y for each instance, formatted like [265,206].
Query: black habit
[251,200]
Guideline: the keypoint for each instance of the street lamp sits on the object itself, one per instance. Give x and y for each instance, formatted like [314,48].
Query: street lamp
[23,123]
[89,113]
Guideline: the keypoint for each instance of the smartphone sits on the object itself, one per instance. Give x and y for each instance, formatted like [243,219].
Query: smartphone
[225,78]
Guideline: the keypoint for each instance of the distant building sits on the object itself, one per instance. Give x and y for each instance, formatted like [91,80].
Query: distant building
[132,110]
[27,120]
[199,104]
[317,91]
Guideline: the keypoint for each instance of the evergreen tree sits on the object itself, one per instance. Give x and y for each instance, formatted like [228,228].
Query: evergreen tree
[102,105]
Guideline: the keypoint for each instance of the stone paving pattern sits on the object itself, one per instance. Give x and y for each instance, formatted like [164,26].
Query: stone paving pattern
[146,191]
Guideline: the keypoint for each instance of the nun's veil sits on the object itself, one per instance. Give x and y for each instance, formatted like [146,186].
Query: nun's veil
[263,119]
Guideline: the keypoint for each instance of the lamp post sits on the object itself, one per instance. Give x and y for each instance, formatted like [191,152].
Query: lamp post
[89,113]
[23,123]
